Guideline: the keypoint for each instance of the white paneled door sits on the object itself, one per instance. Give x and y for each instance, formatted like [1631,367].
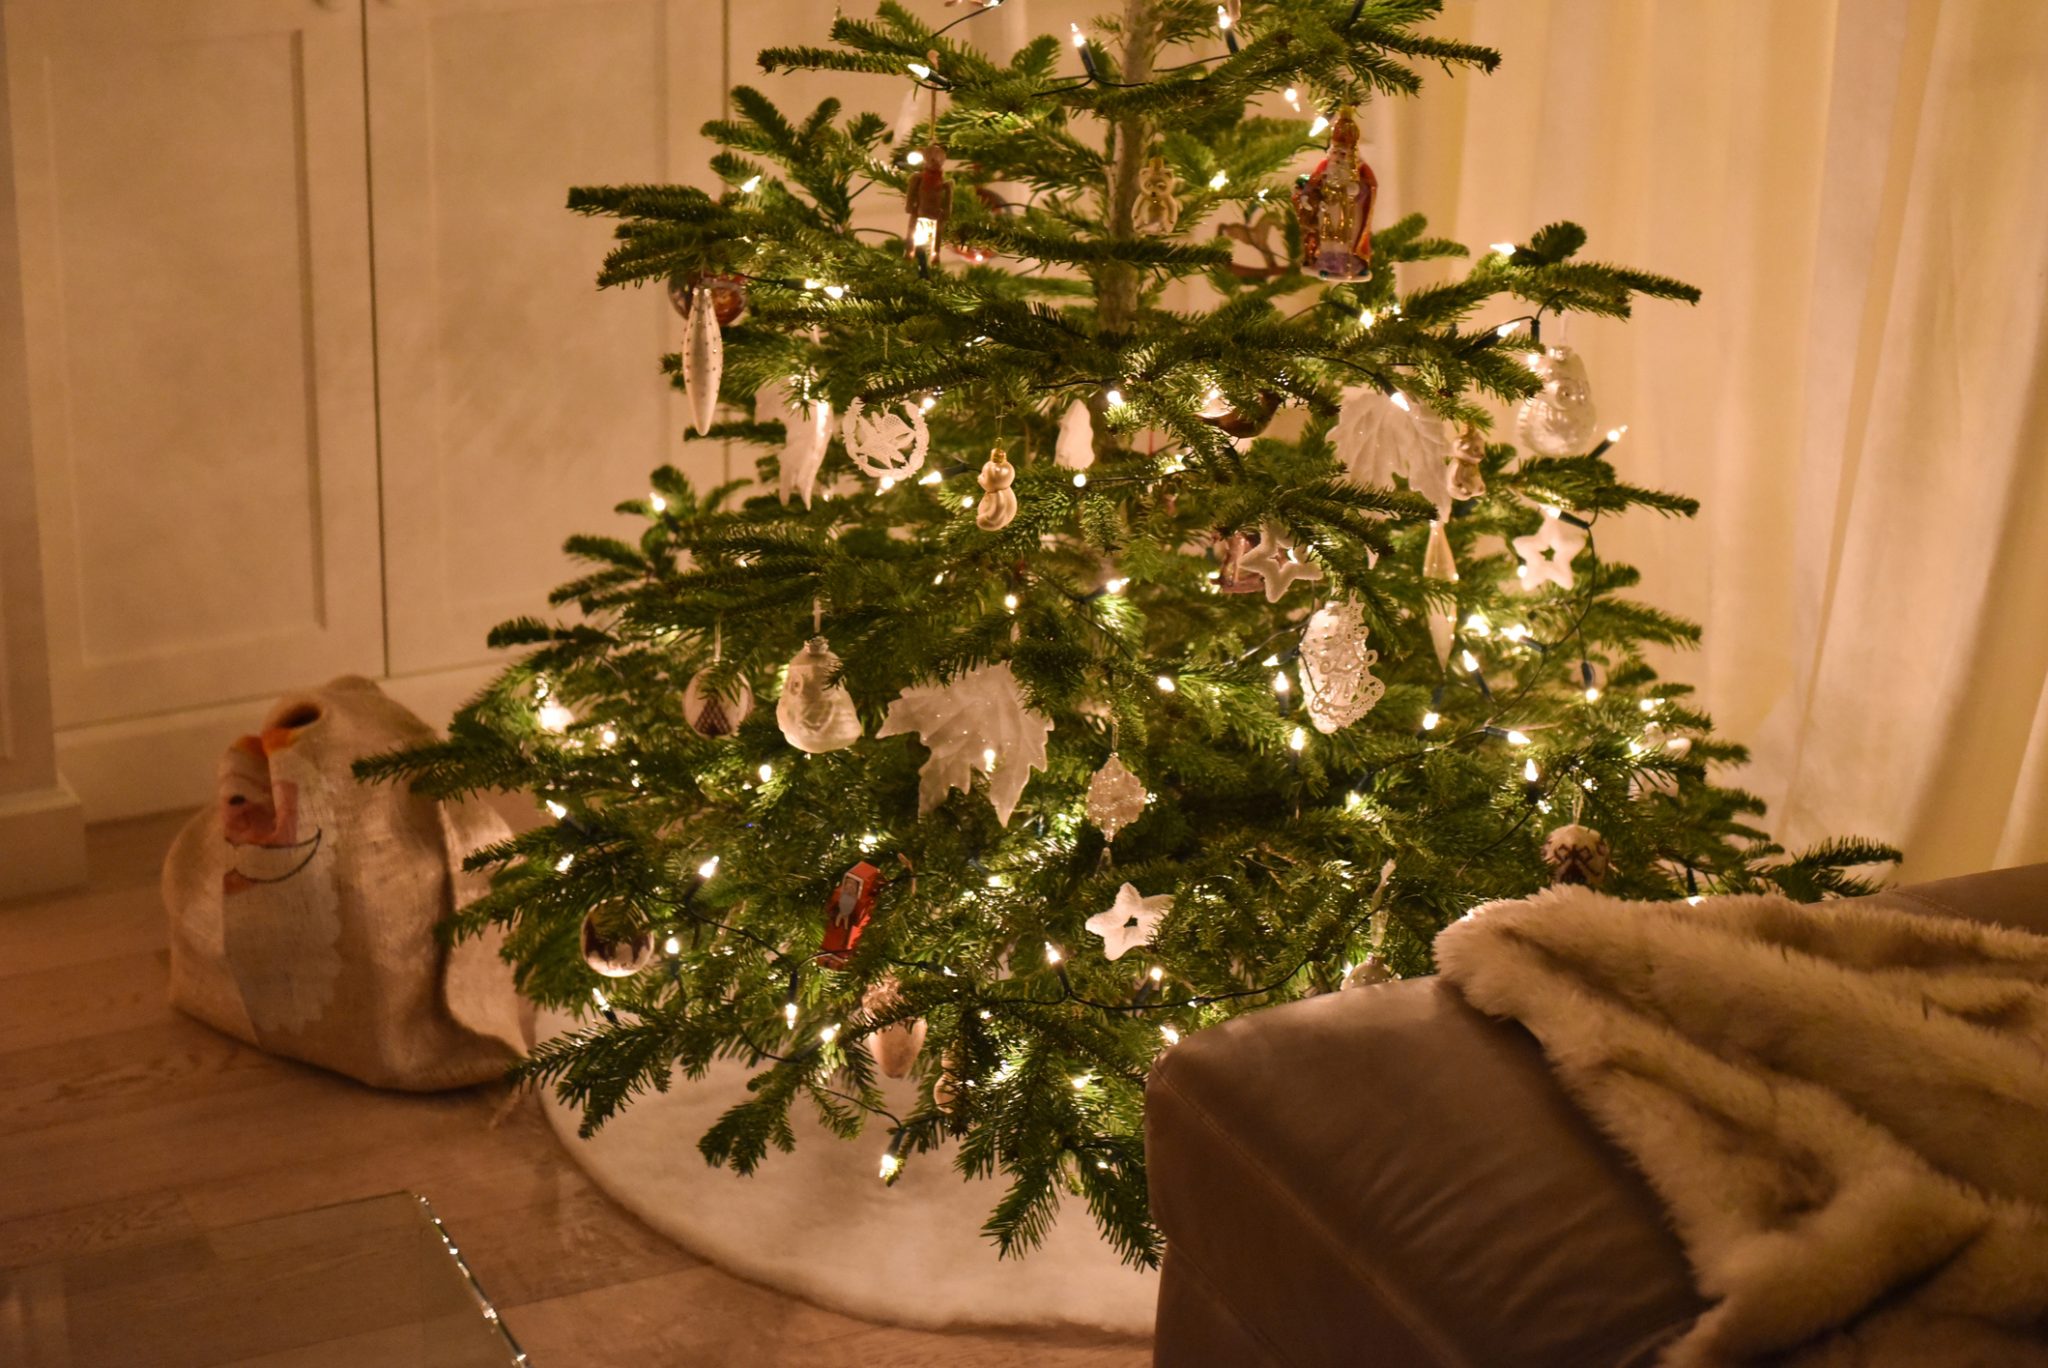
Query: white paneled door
[517,404]
[196,276]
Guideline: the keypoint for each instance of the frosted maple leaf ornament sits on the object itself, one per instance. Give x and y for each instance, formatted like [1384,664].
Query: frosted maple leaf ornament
[1131,921]
[883,444]
[1548,551]
[977,723]
[1380,435]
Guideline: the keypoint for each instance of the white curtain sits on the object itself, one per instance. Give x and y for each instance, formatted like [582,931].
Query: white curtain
[1861,190]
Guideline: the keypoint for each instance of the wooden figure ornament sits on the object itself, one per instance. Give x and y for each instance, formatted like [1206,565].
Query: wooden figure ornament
[998,500]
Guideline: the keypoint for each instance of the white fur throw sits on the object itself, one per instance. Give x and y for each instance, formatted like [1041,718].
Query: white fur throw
[1843,1106]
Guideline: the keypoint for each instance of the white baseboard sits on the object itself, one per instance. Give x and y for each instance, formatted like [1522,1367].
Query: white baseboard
[141,765]
[42,842]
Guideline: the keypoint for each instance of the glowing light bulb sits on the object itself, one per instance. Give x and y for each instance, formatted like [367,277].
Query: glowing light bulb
[1516,738]
[1010,602]
[995,881]
[829,1034]
[1165,683]
[1592,694]
[1157,973]
[885,484]
[988,757]
[1115,398]
[1430,720]
[930,477]
[915,158]
[891,1166]
[1169,1035]
[1315,130]
[1616,434]
[920,70]
[657,503]
[1079,41]
[812,284]
[1219,180]
[835,292]
[1281,684]
[608,737]
[1080,479]
[604,1004]
[967,502]
[556,810]
[767,772]
[1297,741]
[1222,17]
[1649,705]
[1694,901]
[708,868]
[1506,329]
[672,946]
[1052,953]
[1081,1081]
[1293,98]
[789,1015]
[750,185]
[1469,661]
[1504,248]
[555,718]
[1400,401]
[1478,625]
[1117,586]
[1529,770]
[562,865]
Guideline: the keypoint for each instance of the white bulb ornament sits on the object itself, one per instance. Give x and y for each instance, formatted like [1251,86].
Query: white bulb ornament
[815,711]
[1558,420]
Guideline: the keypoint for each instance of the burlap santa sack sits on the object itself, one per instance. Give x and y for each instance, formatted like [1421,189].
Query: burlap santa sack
[303,906]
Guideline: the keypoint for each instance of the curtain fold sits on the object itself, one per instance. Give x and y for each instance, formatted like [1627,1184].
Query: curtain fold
[1861,190]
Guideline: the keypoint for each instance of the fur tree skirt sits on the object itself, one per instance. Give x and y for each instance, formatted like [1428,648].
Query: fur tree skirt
[819,1224]
[1844,1107]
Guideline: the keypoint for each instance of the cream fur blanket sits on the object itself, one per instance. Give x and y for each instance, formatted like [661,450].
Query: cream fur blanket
[1843,1106]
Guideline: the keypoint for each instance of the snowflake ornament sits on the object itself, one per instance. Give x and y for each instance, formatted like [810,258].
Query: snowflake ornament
[1336,668]
[1380,435]
[883,444]
[1131,921]
[1548,551]
[978,722]
[1273,560]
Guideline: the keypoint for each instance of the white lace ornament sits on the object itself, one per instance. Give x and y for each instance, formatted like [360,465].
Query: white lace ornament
[1380,435]
[1273,560]
[885,445]
[703,359]
[977,723]
[1116,798]
[1075,449]
[1336,667]
[998,500]
[815,713]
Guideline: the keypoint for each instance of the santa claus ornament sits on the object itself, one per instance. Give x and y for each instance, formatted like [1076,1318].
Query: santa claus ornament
[1335,203]
[847,913]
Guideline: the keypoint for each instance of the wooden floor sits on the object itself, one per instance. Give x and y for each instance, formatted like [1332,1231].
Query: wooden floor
[122,1122]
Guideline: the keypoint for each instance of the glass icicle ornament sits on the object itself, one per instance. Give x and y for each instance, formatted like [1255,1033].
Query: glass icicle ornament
[1336,667]
[1075,448]
[928,201]
[703,359]
[1158,209]
[1336,199]
[815,711]
[1116,798]
[807,434]
[998,501]
[1558,420]
[610,946]
[1438,564]
[884,445]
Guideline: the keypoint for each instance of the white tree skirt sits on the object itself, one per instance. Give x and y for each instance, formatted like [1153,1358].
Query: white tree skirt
[818,1222]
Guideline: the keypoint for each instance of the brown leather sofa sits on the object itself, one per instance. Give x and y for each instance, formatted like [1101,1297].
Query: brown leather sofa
[1385,1178]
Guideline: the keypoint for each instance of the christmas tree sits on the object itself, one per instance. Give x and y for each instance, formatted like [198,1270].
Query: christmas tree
[1133,666]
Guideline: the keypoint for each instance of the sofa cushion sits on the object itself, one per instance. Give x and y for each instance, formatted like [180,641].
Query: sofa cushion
[1387,1177]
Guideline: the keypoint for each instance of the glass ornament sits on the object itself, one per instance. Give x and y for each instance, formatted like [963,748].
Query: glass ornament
[1116,798]
[815,712]
[1558,420]
[611,949]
